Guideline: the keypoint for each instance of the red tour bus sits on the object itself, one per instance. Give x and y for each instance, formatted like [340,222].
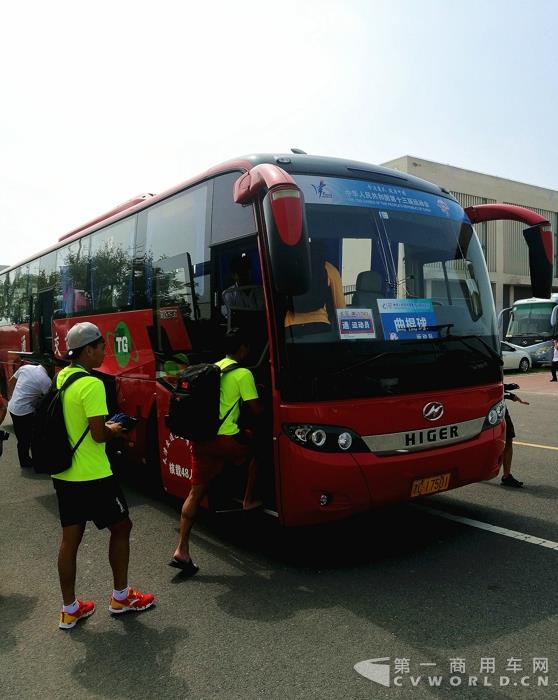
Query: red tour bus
[367,300]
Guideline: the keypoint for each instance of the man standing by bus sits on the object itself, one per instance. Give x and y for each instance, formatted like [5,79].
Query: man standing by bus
[230,446]
[507,477]
[88,490]
[26,386]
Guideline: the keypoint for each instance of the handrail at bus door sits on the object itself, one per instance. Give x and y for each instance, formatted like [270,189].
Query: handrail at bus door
[539,240]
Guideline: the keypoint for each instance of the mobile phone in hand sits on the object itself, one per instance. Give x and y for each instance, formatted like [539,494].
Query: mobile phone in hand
[129,423]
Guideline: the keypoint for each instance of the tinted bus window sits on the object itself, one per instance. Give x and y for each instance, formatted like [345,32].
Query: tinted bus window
[3,299]
[20,296]
[176,229]
[111,266]
[73,265]
[229,220]
[7,314]
[33,276]
[47,271]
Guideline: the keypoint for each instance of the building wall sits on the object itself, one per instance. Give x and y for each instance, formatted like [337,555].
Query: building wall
[505,249]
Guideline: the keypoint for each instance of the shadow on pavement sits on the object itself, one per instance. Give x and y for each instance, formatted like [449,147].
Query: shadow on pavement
[13,610]
[394,557]
[133,661]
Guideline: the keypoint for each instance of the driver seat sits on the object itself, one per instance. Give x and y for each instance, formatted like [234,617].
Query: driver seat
[368,290]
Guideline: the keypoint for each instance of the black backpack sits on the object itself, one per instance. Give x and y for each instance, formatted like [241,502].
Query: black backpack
[195,402]
[50,446]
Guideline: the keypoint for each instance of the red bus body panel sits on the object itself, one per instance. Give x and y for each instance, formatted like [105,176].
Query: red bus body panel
[358,481]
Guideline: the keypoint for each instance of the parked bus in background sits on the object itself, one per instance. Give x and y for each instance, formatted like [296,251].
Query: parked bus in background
[367,300]
[532,325]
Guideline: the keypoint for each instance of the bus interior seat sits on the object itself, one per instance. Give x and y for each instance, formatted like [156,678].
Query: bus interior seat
[368,290]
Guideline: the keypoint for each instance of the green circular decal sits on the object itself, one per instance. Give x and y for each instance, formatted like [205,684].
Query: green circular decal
[122,344]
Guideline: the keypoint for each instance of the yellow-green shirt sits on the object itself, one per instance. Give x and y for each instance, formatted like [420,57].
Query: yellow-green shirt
[236,384]
[84,399]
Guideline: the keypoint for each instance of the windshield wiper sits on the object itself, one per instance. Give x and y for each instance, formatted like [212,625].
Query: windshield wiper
[462,338]
[369,360]
[440,326]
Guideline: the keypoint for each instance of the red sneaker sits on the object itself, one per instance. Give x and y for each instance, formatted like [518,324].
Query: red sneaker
[69,620]
[134,601]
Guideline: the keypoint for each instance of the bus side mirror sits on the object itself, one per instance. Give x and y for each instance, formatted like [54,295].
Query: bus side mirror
[287,239]
[540,242]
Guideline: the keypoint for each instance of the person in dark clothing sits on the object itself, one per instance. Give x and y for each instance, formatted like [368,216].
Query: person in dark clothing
[554,364]
[3,434]
[507,478]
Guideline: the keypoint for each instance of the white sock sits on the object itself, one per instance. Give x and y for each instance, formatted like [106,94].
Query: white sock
[120,595]
[72,608]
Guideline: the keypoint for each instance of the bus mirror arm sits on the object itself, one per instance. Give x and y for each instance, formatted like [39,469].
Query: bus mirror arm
[285,224]
[538,237]
[261,177]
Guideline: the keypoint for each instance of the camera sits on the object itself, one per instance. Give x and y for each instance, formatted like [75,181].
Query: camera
[3,436]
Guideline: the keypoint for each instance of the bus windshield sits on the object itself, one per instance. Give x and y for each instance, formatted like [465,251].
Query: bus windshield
[400,299]
[531,320]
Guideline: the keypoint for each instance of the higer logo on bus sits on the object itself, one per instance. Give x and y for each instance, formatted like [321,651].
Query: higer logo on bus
[433,410]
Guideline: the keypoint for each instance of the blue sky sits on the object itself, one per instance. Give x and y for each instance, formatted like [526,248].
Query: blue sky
[104,101]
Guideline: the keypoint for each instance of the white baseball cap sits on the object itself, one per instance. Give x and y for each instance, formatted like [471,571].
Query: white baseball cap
[79,336]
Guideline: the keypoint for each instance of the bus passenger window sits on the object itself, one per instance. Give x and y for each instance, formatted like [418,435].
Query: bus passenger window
[177,249]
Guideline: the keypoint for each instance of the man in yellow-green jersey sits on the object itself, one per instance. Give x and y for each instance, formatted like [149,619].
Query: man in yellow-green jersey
[88,490]
[230,446]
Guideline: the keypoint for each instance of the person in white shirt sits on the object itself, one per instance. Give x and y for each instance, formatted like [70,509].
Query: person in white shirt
[26,387]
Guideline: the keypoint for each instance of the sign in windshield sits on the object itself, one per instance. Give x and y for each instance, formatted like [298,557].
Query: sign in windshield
[360,193]
[408,319]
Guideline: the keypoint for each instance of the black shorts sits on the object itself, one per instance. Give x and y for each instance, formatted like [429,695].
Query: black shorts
[510,430]
[100,500]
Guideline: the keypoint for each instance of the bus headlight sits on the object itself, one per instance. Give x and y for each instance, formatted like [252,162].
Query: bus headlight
[345,440]
[495,415]
[318,437]
[325,438]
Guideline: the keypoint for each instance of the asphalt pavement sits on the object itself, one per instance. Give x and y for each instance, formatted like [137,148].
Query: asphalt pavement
[423,605]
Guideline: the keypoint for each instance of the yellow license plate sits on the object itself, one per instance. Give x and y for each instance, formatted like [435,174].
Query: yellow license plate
[432,484]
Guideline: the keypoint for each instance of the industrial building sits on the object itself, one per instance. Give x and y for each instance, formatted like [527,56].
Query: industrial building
[503,244]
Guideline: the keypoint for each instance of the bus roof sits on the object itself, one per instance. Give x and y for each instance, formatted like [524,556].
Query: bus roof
[537,300]
[290,162]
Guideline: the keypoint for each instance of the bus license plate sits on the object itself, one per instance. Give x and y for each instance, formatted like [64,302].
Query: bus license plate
[432,484]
